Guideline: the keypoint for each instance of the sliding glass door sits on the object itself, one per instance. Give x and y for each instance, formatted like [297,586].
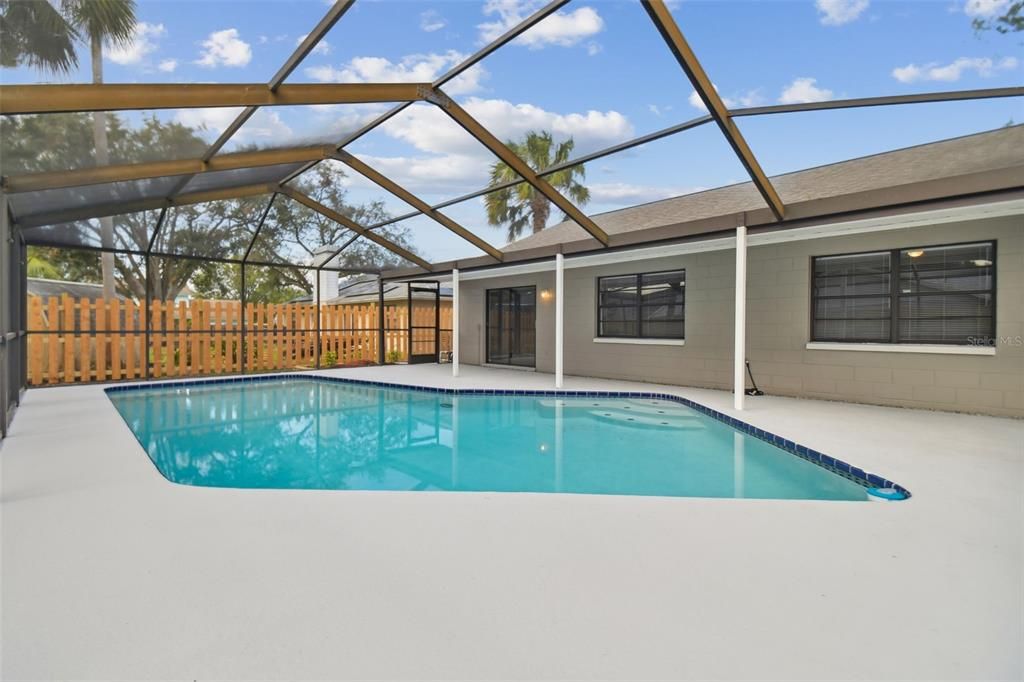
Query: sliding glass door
[512,326]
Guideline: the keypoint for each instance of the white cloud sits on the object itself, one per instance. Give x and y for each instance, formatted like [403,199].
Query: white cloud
[143,43]
[590,130]
[323,47]
[415,68]
[594,48]
[983,66]
[750,98]
[984,9]
[431,21]
[561,28]
[839,12]
[626,194]
[446,160]
[265,126]
[803,90]
[168,65]
[225,48]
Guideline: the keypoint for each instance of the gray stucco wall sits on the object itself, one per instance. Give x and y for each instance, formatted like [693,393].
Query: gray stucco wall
[778,321]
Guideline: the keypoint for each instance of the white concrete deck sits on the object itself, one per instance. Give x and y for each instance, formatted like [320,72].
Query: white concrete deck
[110,572]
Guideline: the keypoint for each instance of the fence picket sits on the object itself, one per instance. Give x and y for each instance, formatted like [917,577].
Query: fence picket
[114,325]
[129,339]
[88,340]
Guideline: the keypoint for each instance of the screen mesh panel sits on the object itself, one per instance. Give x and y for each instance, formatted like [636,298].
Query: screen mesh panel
[240,177]
[215,229]
[295,233]
[55,142]
[32,204]
[131,232]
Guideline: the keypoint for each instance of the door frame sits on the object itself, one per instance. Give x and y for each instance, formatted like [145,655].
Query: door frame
[436,290]
[487,327]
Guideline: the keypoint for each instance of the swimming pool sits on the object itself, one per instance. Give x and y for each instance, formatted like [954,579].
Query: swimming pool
[300,431]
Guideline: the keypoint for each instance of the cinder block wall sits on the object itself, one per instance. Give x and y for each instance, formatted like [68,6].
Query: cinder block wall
[778,327]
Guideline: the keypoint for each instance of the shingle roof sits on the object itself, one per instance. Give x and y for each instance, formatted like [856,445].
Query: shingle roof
[988,151]
[45,288]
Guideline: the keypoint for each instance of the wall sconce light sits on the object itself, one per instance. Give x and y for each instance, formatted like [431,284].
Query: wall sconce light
[546,295]
[917,253]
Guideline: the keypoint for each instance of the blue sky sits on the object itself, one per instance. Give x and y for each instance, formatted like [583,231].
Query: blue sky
[597,72]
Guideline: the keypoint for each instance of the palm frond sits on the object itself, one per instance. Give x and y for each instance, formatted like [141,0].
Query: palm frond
[35,34]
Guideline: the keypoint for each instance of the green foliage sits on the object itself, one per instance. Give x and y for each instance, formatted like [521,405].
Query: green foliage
[41,267]
[49,142]
[223,229]
[1010,21]
[69,266]
[521,205]
[43,34]
[35,34]
[111,21]
[329,359]
[394,356]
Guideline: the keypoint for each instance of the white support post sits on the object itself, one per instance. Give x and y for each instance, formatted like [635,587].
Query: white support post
[740,351]
[455,322]
[559,315]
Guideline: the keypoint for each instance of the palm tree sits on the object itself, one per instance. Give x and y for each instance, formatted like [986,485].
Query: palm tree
[521,205]
[41,36]
[35,34]
[113,22]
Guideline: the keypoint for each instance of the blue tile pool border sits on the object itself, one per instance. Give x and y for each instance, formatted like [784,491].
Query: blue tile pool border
[836,466]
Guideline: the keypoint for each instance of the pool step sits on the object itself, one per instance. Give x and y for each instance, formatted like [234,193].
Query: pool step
[629,413]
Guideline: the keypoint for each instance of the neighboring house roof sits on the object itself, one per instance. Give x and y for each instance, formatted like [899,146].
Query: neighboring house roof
[366,291]
[989,151]
[45,288]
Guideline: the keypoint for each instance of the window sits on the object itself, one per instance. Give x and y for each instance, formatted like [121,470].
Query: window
[934,294]
[645,306]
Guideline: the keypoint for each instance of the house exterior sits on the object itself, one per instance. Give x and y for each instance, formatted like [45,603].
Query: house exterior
[896,279]
[48,288]
[367,290]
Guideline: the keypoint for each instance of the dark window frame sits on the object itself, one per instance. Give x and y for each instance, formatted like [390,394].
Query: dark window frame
[638,306]
[894,294]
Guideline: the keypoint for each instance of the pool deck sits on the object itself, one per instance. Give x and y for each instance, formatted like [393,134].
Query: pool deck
[111,572]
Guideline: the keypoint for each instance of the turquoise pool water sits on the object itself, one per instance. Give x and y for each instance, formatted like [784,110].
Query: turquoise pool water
[304,433]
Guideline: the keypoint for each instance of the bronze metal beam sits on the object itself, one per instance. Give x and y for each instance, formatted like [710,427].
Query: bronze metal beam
[141,171]
[487,139]
[325,211]
[305,47]
[890,100]
[121,207]
[457,70]
[311,40]
[49,99]
[414,201]
[666,25]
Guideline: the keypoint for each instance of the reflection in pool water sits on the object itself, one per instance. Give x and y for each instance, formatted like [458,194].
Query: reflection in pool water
[305,433]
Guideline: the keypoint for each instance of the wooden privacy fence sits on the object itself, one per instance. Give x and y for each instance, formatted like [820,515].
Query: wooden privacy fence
[78,340]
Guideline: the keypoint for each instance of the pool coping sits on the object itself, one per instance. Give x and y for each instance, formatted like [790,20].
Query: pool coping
[831,464]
